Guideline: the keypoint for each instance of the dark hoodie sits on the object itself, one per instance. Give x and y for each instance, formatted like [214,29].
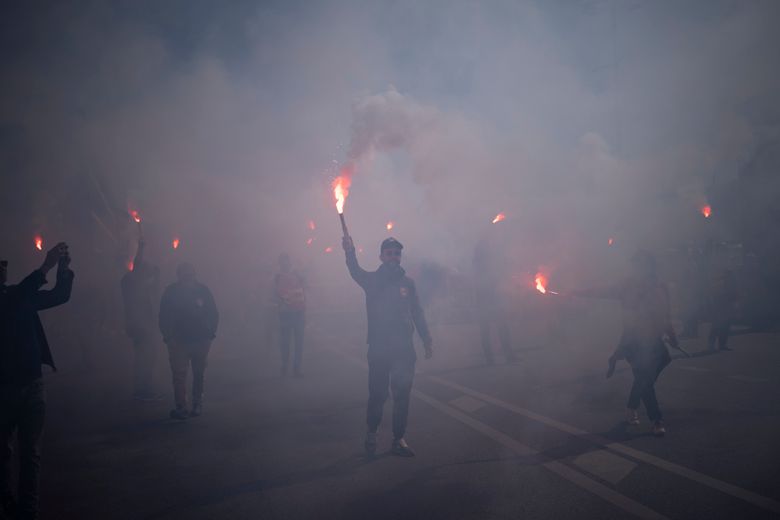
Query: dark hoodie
[392,306]
[24,346]
[188,313]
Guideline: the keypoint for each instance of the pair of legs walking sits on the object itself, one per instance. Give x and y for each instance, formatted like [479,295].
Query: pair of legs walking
[389,374]
[719,332]
[291,326]
[181,356]
[502,325]
[22,411]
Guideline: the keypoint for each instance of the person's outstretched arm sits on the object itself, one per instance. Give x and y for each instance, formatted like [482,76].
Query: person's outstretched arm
[360,275]
[62,289]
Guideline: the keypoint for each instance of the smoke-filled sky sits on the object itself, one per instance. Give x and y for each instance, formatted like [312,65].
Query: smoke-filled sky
[223,122]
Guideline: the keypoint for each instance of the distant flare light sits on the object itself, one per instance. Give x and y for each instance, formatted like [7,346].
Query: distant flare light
[135,216]
[390,225]
[328,249]
[611,241]
[130,265]
[309,241]
[499,218]
[706,210]
[312,226]
[39,243]
[175,243]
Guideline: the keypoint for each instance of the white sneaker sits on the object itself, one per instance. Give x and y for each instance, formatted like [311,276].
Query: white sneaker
[632,417]
[658,429]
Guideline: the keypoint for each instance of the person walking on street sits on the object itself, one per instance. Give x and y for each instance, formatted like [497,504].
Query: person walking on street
[188,322]
[394,312]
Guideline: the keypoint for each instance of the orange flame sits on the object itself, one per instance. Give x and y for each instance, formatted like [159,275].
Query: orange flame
[312,226]
[136,217]
[706,211]
[39,243]
[328,249]
[541,283]
[175,243]
[390,225]
[341,186]
[309,241]
[499,218]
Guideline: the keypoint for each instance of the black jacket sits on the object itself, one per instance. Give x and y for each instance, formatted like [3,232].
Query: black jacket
[392,306]
[188,313]
[24,346]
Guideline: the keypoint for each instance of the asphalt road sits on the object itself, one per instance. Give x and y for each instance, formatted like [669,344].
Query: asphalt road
[543,438]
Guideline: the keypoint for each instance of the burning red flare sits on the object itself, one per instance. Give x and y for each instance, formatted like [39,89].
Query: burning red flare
[611,241]
[390,225]
[328,249]
[341,186]
[39,243]
[499,218]
[309,241]
[136,216]
[541,283]
[312,226]
[706,211]
[175,243]
[130,265]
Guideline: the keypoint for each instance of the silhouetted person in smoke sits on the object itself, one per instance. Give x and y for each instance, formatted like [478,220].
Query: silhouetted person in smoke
[290,297]
[646,323]
[139,293]
[394,311]
[188,322]
[692,295]
[22,352]
[491,304]
[723,298]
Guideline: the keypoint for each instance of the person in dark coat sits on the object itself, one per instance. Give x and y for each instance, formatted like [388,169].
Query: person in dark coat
[139,295]
[723,299]
[23,349]
[492,304]
[188,321]
[394,312]
[290,298]
[646,324]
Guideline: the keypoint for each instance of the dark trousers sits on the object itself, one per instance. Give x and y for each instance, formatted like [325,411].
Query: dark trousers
[643,390]
[22,410]
[291,325]
[503,335]
[181,356]
[720,332]
[144,359]
[397,375]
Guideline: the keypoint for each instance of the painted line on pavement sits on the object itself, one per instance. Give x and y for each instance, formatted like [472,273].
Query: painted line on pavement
[575,477]
[719,485]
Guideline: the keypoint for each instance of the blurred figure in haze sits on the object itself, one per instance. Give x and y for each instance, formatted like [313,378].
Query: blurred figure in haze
[492,303]
[692,294]
[394,311]
[188,322]
[139,293]
[290,298]
[723,298]
[646,323]
[22,352]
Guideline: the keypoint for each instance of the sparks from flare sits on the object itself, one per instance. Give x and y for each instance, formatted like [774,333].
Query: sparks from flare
[328,249]
[341,186]
[39,243]
[390,225]
[175,243]
[309,241]
[499,218]
[706,211]
[312,226]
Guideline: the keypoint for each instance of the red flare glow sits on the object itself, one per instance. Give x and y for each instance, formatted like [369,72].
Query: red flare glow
[706,211]
[39,243]
[312,226]
[499,218]
[328,249]
[541,283]
[390,225]
[130,265]
[135,216]
[611,241]
[309,241]
[175,243]
[341,186]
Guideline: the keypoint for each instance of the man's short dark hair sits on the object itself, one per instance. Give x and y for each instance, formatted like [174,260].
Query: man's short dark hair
[390,243]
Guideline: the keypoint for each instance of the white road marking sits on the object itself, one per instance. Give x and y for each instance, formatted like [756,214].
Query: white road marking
[724,487]
[605,465]
[467,404]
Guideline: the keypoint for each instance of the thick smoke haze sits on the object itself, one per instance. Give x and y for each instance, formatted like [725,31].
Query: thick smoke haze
[582,121]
